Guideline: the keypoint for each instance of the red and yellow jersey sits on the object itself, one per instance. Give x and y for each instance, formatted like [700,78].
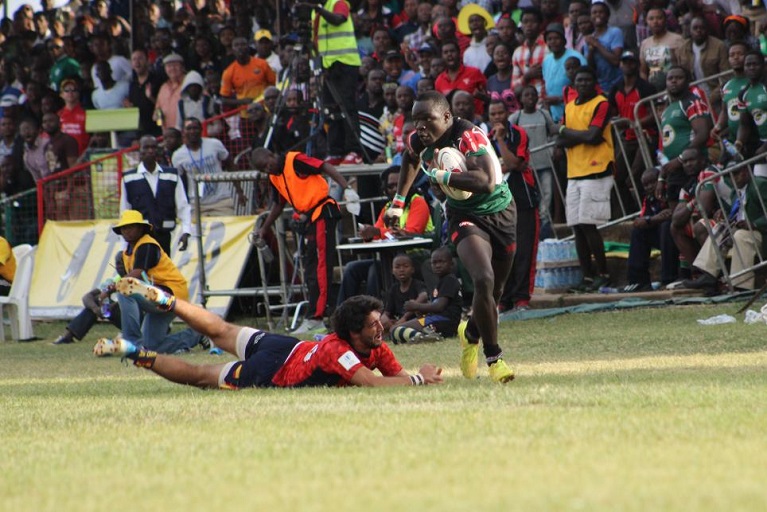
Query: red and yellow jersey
[332,362]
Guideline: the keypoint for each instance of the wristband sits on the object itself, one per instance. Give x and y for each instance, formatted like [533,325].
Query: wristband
[398,201]
[690,205]
[417,380]
[561,129]
[442,177]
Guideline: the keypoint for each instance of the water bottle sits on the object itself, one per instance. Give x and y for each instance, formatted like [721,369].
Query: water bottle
[608,289]
[266,253]
[106,311]
[731,150]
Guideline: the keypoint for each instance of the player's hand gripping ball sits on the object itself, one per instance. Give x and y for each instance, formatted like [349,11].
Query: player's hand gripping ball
[452,161]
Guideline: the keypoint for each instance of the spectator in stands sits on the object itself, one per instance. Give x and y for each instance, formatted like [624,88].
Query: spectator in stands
[736,28]
[203,57]
[685,122]
[392,63]
[193,102]
[688,228]
[573,37]
[171,141]
[71,196]
[144,256]
[21,213]
[318,213]
[162,46]
[729,120]
[744,232]
[101,46]
[658,52]
[459,77]
[499,84]
[587,136]
[512,146]
[705,56]
[370,107]
[405,99]
[415,221]
[462,105]
[475,21]
[647,234]
[405,22]
[405,288]
[72,115]
[527,60]
[157,193]
[11,144]
[63,66]
[264,50]
[624,96]
[376,12]
[144,86]
[622,17]
[420,36]
[539,127]
[166,105]
[438,318]
[204,155]
[10,94]
[604,47]
[554,74]
[446,31]
[752,102]
[109,94]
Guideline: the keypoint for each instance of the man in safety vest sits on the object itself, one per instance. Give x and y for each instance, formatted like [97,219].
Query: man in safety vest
[337,46]
[299,181]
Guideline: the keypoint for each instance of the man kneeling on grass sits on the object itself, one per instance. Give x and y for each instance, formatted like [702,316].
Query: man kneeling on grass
[348,356]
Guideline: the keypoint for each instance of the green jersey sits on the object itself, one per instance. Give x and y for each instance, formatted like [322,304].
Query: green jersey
[730,92]
[676,124]
[753,99]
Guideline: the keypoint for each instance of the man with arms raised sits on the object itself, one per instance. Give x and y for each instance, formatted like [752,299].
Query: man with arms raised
[347,357]
[482,227]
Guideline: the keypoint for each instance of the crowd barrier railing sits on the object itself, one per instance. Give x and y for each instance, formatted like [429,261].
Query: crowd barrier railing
[725,229]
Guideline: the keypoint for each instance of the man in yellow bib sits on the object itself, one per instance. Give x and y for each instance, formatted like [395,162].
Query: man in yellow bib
[586,133]
[144,259]
[7,266]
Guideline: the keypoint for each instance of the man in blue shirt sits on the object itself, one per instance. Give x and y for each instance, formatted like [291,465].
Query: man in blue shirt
[554,75]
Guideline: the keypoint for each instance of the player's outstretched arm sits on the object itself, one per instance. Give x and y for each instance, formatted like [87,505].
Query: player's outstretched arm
[428,374]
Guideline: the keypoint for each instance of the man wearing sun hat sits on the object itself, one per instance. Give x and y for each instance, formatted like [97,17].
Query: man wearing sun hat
[144,259]
[475,21]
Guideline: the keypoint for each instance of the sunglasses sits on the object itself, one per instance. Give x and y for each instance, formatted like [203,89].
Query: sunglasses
[69,90]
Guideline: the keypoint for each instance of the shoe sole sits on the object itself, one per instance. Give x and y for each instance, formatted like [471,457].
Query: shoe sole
[132,287]
[105,347]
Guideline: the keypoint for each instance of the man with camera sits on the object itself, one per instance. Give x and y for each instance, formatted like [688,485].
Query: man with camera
[337,47]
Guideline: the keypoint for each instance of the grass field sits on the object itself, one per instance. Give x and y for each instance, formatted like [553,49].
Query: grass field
[625,411]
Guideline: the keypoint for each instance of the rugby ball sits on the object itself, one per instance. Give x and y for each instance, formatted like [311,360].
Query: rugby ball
[452,160]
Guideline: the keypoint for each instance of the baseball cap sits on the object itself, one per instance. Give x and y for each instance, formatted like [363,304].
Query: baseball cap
[392,54]
[69,81]
[555,27]
[261,34]
[172,57]
[426,47]
[629,54]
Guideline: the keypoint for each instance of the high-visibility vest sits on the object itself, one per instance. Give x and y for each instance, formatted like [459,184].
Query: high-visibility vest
[306,195]
[336,43]
[164,273]
[586,159]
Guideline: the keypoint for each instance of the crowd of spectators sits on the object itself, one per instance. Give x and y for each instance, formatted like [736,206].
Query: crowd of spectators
[175,60]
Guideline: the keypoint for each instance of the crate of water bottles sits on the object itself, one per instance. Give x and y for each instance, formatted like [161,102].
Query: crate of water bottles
[557,265]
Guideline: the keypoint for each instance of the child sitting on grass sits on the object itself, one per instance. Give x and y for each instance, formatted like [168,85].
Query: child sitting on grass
[405,289]
[440,317]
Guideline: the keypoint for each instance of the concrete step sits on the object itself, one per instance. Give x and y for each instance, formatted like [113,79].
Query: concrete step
[561,300]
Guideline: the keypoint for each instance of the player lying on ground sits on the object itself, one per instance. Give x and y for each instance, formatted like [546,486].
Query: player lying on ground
[345,357]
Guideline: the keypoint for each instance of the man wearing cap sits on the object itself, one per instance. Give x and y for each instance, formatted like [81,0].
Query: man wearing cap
[623,97]
[166,106]
[144,259]
[554,75]
[473,20]
[264,47]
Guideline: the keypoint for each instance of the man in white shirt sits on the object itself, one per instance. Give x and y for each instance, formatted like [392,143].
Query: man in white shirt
[264,50]
[101,46]
[475,21]
[203,155]
[157,192]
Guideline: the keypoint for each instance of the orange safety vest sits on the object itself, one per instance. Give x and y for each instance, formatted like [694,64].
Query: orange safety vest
[306,195]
